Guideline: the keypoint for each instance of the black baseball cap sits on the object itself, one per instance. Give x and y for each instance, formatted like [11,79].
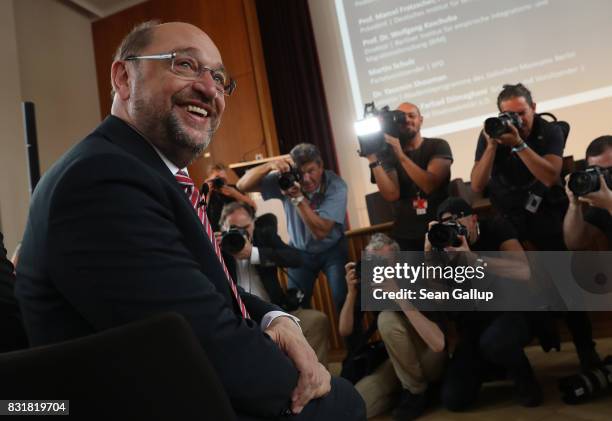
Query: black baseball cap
[455,206]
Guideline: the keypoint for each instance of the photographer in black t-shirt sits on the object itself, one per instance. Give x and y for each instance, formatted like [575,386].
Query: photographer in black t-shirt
[591,230]
[490,343]
[414,177]
[522,169]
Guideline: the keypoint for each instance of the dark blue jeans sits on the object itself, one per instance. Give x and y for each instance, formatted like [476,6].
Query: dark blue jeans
[331,262]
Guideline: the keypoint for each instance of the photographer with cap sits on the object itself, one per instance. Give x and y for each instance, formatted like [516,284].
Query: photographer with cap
[314,200]
[591,230]
[253,252]
[490,344]
[414,176]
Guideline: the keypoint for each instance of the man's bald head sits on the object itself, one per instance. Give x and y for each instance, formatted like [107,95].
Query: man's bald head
[408,107]
[414,120]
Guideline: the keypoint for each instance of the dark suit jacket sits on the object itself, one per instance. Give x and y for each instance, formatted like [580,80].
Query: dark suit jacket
[12,334]
[273,253]
[111,238]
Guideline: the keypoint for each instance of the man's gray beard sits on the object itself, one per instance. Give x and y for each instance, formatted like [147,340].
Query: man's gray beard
[177,136]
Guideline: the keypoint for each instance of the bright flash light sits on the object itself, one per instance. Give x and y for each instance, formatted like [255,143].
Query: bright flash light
[367,126]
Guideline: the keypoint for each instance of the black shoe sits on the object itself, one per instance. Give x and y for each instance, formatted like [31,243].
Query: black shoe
[528,391]
[411,406]
[589,359]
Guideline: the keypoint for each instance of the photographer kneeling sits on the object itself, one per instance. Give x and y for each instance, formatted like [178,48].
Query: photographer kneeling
[253,252]
[414,341]
[591,230]
[490,343]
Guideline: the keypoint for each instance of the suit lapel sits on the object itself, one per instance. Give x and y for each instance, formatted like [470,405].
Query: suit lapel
[124,136]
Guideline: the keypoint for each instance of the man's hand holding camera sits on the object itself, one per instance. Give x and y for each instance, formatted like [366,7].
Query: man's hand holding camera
[512,138]
[601,198]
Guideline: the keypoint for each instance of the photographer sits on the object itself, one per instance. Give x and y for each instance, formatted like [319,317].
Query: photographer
[591,230]
[314,200]
[253,252]
[414,176]
[414,340]
[220,193]
[490,344]
[520,166]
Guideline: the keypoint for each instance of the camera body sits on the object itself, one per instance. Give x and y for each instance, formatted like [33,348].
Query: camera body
[286,180]
[500,125]
[587,181]
[446,234]
[233,239]
[391,122]
[293,299]
[217,183]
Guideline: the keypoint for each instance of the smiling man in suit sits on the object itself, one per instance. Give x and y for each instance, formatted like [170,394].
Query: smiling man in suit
[117,232]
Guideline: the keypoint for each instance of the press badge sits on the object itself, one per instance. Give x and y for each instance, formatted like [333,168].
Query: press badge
[420,205]
[533,202]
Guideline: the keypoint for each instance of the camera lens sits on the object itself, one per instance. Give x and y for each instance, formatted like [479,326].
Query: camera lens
[232,241]
[287,180]
[583,182]
[495,127]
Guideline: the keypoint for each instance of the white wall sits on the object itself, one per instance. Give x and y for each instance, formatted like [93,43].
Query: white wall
[47,59]
[13,179]
[340,104]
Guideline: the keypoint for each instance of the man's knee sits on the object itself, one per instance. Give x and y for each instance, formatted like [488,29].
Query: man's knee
[346,402]
[389,322]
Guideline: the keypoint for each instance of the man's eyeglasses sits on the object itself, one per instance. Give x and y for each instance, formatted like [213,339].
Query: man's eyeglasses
[187,67]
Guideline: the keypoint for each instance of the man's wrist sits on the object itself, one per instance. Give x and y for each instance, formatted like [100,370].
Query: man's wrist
[521,146]
[295,201]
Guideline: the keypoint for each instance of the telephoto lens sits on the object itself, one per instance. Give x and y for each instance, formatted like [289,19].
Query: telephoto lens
[233,240]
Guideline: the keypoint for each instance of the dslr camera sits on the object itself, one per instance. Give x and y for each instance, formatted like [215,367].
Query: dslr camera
[233,239]
[446,234]
[286,180]
[587,181]
[497,126]
[370,131]
[217,183]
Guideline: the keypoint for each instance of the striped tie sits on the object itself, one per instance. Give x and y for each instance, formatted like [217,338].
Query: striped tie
[194,197]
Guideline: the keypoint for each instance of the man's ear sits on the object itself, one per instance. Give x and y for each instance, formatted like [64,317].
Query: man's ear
[120,79]
[534,107]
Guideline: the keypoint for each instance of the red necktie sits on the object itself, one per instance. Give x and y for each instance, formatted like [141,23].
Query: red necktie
[194,197]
